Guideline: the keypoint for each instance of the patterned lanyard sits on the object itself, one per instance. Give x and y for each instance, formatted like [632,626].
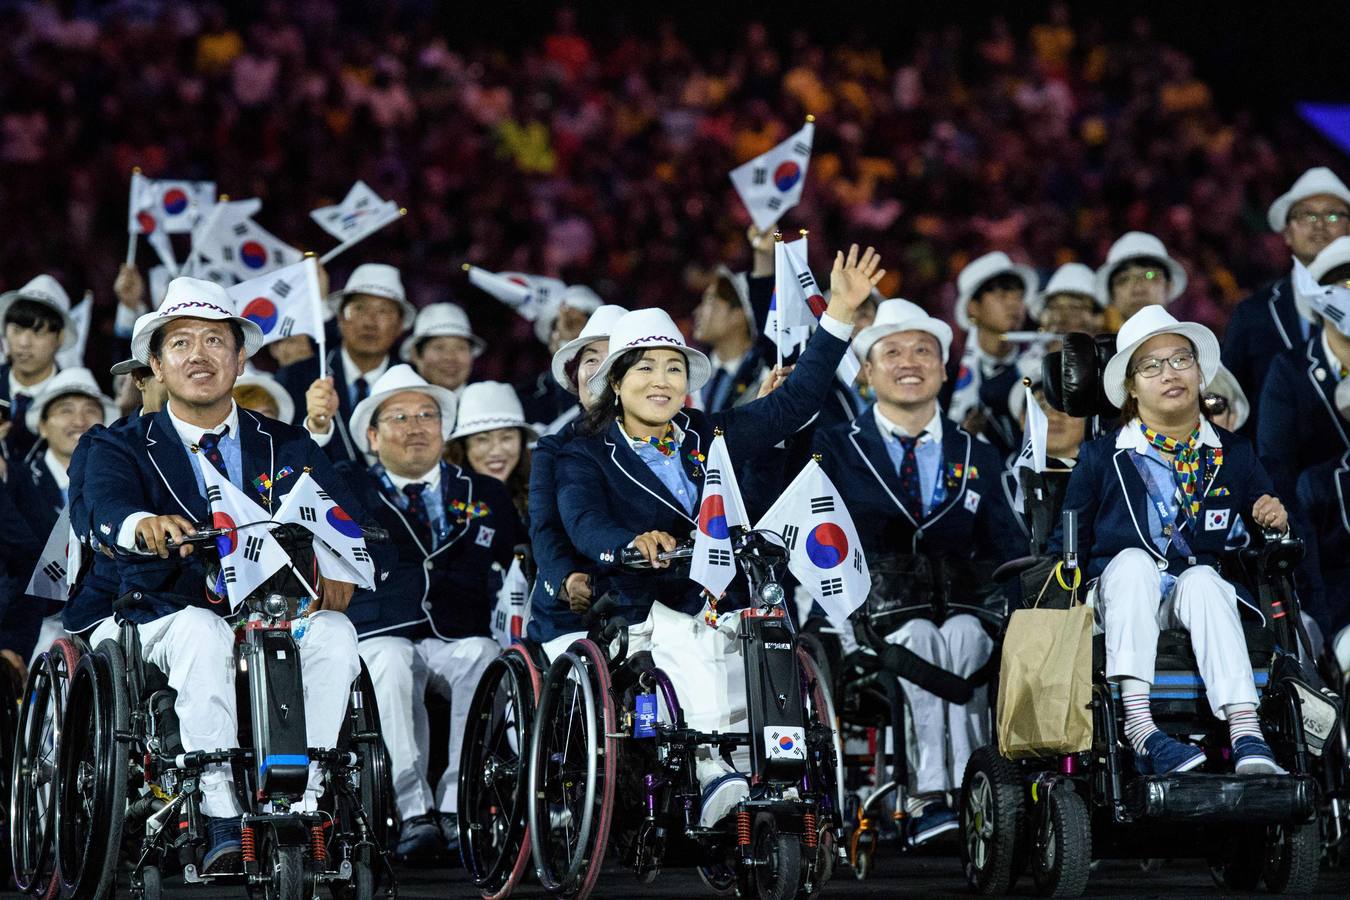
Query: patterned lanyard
[1185,466]
[666,444]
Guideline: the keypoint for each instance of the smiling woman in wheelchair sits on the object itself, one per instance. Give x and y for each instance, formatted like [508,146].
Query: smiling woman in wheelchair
[1159,500]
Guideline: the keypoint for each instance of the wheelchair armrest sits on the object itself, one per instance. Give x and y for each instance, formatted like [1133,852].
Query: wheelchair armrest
[1013,568]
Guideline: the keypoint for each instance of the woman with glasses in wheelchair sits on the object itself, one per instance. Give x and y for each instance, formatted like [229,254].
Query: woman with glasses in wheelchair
[1158,501]
[631,478]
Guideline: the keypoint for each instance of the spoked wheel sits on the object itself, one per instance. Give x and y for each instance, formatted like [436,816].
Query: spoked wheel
[33,798]
[572,772]
[991,822]
[361,734]
[777,871]
[1293,854]
[720,878]
[825,768]
[92,784]
[1063,849]
[493,834]
[11,692]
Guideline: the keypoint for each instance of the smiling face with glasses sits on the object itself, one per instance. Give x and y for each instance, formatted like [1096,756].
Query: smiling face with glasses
[406,434]
[1164,380]
[1313,223]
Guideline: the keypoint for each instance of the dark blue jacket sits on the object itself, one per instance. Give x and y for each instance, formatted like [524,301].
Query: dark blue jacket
[1323,499]
[1262,326]
[744,380]
[543,399]
[20,440]
[448,592]
[1113,503]
[554,556]
[296,379]
[19,548]
[608,496]
[91,600]
[1300,426]
[140,465]
[974,521]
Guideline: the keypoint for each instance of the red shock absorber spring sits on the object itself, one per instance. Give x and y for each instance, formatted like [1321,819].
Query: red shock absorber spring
[317,847]
[247,845]
[743,828]
[810,835]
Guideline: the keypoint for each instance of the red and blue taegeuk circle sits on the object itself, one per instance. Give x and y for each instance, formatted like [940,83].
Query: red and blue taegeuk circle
[342,523]
[964,377]
[262,312]
[785,743]
[253,254]
[228,542]
[786,176]
[712,518]
[826,545]
[175,201]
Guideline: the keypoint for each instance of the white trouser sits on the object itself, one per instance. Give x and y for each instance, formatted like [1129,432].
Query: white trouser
[704,665]
[194,648]
[402,670]
[945,734]
[1132,611]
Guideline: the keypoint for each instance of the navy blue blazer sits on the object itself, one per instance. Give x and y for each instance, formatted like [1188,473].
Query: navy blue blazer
[1300,426]
[608,496]
[296,379]
[91,601]
[19,548]
[153,474]
[20,440]
[745,380]
[543,399]
[973,522]
[1323,497]
[1112,503]
[1262,326]
[447,592]
[554,556]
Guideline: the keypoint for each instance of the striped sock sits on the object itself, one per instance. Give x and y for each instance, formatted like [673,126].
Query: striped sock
[1242,721]
[1134,694]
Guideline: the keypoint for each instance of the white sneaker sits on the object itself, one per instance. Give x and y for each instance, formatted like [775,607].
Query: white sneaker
[721,796]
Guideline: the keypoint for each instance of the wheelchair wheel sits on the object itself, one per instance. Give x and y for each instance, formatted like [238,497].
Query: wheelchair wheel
[826,768]
[288,875]
[92,764]
[720,878]
[361,734]
[1063,845]
[777,872]
[992,822]
[493,836]
[33,779]
[573,763]
[1293,855]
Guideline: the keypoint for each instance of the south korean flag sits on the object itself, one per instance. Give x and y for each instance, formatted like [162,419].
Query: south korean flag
[771,183]
[283,303]
[249,555]
[720,509]
[339,543]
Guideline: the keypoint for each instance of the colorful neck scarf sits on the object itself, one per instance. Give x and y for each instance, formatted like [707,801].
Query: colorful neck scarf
[666,444]
[1185,465]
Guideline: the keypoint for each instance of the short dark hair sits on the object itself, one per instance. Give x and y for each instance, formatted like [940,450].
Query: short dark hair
[36,316]
[1003,281]
[1336,275]
[606,404]
[1148,262]
[157,337]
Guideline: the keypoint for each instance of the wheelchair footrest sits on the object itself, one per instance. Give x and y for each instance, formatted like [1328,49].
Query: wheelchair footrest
[1239,799]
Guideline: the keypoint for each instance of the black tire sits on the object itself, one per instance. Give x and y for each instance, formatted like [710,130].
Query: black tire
[92,780]
[1063,847]
[862,864]
[1239,868]
[720,878]
[993,817]
[1293,858]
[288,875]
[493,797]
[778,857]
[152,883]
[363,881]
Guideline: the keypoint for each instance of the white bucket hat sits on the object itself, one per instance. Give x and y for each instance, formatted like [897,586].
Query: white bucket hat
[574,296]
[127,366]
[46,290]
[1070,278]
[1225,384]
[77,380]
[650,329]
[193,298]
[900,315]
[279,395]
[597,329]
[1333,256]
[980,270]
[396,380]
[1150,322]
[1134,245]
[442,320]
[1318,180]
[486,405]
[375,280]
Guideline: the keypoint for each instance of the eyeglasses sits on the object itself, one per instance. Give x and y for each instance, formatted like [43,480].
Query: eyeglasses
[1152,368]
[1137,276]
[1214,404]
[403,420]
[1309,219]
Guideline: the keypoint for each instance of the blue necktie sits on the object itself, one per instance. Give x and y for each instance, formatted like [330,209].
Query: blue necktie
[18,410]
[361,388]
[210,446]
[417,506]
[911,495]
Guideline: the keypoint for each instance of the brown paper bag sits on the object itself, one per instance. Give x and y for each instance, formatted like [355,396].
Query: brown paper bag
[1045,682]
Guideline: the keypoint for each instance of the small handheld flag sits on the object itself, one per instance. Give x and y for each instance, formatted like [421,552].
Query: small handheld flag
[771,183]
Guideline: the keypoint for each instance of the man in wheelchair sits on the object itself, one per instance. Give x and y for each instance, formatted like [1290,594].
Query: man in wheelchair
[1158,502]
[925,497]
[144,489]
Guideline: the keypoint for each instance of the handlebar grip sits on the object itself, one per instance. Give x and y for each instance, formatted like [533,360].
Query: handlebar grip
[632,556]
[375,533]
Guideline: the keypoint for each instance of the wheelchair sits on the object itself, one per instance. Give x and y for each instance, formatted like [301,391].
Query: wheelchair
[126,796]
[1054,815]
[605,772]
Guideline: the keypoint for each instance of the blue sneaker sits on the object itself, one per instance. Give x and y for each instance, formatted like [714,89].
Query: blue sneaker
[226,846]
[1252,756]
[1164,755]
[937,819]
[419,838]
